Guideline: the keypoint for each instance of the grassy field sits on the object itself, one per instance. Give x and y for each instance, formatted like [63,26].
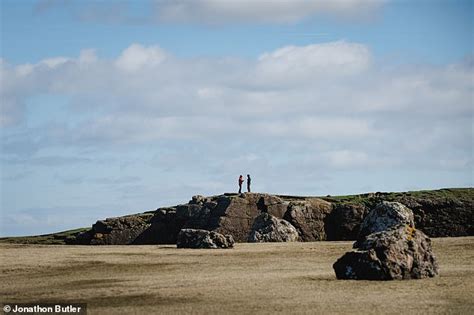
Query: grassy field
[262,278]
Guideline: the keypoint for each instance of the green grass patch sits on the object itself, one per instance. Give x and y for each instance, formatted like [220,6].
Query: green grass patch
[46,239]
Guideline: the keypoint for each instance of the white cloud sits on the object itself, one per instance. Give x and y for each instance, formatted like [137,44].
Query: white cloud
[212,12]
[11,111]
[137,56]
[331,100]
[314,128]
[87,56]
[54,62]
[346,158]
[300,64]
[24,69]
[260,11]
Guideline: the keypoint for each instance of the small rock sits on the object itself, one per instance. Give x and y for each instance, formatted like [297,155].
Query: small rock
[198,199]
[194,238]
[267,228]
[98,235]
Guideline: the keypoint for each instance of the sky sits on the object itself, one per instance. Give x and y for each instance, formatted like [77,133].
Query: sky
[117,107]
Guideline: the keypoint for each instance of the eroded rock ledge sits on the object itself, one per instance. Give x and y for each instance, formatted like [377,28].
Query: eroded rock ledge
[444,213]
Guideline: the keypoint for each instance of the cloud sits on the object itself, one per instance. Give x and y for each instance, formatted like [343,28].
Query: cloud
[306,64]
[346,158]
[260,11]
[12,111]
[54,160]
[326,92]
[137,56]
[54,62]
[212,12]
[114,181]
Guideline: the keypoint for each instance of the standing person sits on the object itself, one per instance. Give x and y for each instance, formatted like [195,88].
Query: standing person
[241,181]
[248,182]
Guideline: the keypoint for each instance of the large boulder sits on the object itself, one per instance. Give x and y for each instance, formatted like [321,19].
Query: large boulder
[308,217]
[399,253]
[194,238]
[385,216]
[268,228]
[389,247]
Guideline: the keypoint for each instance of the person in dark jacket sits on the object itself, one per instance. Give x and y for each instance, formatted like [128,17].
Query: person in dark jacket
[241,181]
[249,180]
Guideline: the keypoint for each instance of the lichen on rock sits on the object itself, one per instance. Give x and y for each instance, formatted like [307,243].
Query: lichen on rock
[395,250]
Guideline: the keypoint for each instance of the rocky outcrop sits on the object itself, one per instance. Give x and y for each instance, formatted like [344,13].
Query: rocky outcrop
[273,205]
[447,212]
[234,215]
[231,214]
[121,230]
[192,238]
[308,217]
[163,228]
[394,251]
[268,228]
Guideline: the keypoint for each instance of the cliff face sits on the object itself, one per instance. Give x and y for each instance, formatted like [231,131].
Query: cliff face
[446,212]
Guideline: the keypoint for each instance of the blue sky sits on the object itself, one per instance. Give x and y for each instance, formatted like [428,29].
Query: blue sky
[115,107]
[429,31]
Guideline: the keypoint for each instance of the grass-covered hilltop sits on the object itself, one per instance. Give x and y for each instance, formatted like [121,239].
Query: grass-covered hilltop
[438,213]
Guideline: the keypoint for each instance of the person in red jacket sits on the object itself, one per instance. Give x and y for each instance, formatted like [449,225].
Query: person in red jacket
[241,181]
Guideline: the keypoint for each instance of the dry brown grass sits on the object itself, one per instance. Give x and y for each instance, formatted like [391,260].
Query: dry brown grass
[262,278]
